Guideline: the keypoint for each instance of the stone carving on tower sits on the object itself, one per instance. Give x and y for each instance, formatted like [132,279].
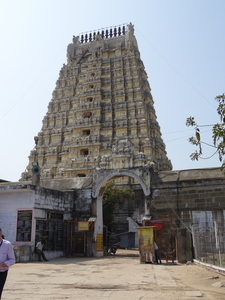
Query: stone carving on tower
[101,114]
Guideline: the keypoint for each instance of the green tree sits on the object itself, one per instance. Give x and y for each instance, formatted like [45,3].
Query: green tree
[114,197]
[218,133]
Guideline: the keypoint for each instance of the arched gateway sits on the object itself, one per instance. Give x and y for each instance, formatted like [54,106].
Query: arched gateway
[101,178]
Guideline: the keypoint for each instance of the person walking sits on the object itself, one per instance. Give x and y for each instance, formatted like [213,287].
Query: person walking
[7,259]
[39,251]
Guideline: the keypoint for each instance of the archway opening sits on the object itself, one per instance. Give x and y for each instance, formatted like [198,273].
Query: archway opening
[123,206]
[123,222]
[118,205]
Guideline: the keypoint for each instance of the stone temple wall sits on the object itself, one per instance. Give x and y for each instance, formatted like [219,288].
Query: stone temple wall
[185,195]
[189,198]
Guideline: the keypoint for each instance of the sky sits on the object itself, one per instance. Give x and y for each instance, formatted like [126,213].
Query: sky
[181,43]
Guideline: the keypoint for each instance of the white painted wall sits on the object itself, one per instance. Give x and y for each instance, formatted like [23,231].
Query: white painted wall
[132,228]
[39,200]
[10,201]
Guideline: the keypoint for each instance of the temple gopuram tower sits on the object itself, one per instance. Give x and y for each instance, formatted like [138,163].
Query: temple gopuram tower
[101,114]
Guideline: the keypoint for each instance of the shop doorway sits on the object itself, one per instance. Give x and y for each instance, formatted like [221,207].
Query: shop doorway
[79,238]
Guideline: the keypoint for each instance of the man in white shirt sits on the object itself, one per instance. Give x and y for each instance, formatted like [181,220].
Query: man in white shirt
[157,255]
[39,251]
[7,259]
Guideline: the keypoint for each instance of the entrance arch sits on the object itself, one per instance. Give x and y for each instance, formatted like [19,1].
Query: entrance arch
[101,178]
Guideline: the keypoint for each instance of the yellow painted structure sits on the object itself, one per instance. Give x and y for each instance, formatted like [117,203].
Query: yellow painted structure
[146,244]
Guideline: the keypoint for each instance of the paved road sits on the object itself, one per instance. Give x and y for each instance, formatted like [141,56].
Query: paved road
[113,278]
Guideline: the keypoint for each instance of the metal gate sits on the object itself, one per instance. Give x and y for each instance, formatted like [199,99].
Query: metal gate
[79,242]
[51,231]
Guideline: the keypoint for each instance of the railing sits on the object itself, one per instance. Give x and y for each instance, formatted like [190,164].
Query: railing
[104,33]
[209,245]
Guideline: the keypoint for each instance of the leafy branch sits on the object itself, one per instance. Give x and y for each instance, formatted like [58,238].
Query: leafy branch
[113,198]
[218,133]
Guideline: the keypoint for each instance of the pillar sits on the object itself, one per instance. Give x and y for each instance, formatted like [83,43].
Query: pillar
[147,205]
[98,233]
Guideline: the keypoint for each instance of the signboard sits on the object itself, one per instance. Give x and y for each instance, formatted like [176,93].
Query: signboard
[146,247]
[157,225]
[83,225]
[99,242]
[145,235]
[54,215]
[24,225]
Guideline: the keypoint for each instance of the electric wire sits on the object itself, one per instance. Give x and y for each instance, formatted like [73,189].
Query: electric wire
[176,214]
[175,69]
[178,217]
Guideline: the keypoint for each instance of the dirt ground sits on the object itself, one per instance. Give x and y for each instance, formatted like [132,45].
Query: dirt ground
[193,278]
[197,278]
[111,277]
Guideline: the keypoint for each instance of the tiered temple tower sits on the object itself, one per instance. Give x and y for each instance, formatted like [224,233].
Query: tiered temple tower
[101,114]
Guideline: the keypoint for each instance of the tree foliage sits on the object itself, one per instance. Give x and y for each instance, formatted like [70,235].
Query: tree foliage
[114,197]
[218,133]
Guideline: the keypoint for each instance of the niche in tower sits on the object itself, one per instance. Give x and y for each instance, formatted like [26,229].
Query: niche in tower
[84,152]
[87,114]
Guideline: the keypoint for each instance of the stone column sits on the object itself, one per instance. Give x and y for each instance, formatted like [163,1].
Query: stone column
[147,205]
[98,233]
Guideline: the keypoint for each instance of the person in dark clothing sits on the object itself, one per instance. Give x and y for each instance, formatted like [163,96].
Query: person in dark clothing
[157,255]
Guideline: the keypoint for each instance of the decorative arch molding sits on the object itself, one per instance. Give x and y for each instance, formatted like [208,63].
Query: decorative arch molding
[102,177]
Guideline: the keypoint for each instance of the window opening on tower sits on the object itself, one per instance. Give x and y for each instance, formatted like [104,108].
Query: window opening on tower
[87,114]
[84,152]
[86,132]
